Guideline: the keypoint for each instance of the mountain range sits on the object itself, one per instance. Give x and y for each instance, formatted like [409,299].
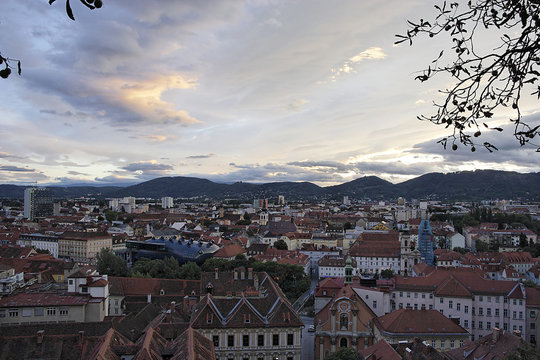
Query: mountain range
[464,185]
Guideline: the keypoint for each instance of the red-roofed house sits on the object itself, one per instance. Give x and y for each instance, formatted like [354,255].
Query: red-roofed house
[430,325]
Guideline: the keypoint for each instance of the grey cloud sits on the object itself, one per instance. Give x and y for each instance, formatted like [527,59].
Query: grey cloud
[201,156]
[148,167]
[15,169]
[75,173]
[324,164]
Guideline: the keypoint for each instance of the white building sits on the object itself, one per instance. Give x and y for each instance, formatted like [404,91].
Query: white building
[167,202]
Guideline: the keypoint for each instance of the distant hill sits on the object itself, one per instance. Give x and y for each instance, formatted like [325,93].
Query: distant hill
[465,185]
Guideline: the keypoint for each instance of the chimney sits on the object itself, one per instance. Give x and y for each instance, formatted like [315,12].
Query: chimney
[250,273]
[40,335]
[149,298]
[495,335]
[408,354]
[216,272]
[81,337]
[256,282]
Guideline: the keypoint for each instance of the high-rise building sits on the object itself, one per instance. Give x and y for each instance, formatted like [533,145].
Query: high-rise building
[167,202]
[38,203]
[425,242]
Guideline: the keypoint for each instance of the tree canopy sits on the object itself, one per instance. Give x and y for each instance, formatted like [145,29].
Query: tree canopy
[110,264]
[483,82]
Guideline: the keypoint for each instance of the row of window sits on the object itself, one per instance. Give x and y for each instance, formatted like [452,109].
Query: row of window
[246,340]
[38,311]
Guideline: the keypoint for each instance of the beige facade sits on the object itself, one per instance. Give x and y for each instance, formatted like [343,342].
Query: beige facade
[82,246]
[440,341]
[255,343]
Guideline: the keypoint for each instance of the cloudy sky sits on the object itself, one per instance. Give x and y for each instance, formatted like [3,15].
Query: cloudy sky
[252,90]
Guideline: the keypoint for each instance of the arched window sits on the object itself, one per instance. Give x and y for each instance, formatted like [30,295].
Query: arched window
[343,343]
[343,321]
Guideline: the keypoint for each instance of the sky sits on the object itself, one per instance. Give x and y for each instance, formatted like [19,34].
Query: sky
[237,90]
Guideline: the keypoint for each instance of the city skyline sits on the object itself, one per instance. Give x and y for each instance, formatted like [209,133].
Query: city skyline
[254,91]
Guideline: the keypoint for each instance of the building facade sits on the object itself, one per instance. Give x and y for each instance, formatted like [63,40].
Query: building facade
[38,203]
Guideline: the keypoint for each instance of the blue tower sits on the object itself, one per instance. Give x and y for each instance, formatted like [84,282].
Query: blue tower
[425,242]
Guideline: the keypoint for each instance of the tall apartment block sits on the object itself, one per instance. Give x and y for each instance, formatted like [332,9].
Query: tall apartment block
[38,203]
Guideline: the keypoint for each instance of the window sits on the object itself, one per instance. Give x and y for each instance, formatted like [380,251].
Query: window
[533,326]
[442,311]
[401,305]
[374,304]
[514,315]
[401,294]
[450,304]
[488,325]
[460,343]
[2,313]
[343,343]
[452,344]
[480,325]
[488,310]
[532,314]
[260,340]
[245,340]
[521,315]
[505,326]
[416,295]
[430,306]
[497,299]
[481,298]
[431,296]
[441,300]
[458,306]
[423,296]
[415,306]
[514,301]
[489,299]
[275,339]
[27,312]
[215,340]
[505,313]
[230,340]
[64,311]
[497,325]
[408,294]
[466,309]
[520,302]
[423,306]
[466,324]
[497,312]
[38,311]
[443,344]
[343,321]
[70,281]
[13,312]
[290,339]
[473,325]
[473,310]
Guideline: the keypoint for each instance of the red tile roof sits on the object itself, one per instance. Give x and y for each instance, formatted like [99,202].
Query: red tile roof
[41,299]
[408,321]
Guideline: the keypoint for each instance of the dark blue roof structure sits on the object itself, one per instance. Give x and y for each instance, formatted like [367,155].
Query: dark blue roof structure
[183,250]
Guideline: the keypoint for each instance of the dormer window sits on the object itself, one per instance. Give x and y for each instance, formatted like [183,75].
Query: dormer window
[247,318]
[209,318]
[161,292]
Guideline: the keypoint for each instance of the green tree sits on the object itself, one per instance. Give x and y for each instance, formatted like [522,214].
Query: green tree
[387,274]
[110,264]
[481,245]
[281,245]
[483,80]
[111,215]
[344,354]
[190,271]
